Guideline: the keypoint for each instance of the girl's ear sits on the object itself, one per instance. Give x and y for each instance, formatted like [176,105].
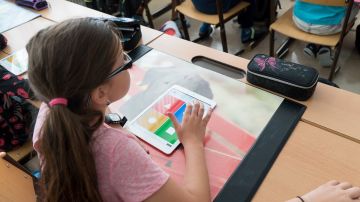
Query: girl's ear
[100,95]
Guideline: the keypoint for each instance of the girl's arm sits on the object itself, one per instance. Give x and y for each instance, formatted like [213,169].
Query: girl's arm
[196,181]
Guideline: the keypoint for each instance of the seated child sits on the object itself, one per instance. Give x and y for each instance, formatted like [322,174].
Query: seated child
[320,20]
[248,31]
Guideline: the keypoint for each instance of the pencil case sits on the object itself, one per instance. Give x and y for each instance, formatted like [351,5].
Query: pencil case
[289,79]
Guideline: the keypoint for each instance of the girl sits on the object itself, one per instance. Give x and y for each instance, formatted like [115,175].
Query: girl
[77,68]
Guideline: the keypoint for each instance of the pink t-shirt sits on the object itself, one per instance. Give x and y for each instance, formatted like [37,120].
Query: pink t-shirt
[125,171]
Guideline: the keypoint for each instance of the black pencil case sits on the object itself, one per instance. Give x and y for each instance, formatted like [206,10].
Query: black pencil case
[290,79]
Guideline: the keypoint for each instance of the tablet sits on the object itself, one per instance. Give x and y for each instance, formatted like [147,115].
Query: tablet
[16,63]
[153,126]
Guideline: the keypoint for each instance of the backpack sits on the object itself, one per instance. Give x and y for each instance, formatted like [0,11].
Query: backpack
[15,113]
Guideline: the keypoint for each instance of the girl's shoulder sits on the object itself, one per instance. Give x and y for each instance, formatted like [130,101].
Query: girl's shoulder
[106,132]
[108,137]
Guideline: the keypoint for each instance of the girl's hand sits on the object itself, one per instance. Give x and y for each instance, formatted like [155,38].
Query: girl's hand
[332,191]
[193,127]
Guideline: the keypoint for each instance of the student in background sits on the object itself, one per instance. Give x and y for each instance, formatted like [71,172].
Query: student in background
[82,158]
[320,20]
[248,31]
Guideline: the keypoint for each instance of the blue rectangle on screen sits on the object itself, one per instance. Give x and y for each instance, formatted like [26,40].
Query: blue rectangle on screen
[180,113]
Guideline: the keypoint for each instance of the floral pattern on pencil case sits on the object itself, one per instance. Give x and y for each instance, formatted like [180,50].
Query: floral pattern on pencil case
[263,62]
[14,113]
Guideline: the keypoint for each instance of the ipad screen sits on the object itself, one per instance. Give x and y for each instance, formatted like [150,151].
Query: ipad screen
[154,121]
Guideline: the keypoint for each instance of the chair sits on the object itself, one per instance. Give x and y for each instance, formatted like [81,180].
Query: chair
[285,25]
[16,184]
[188,9]
[170,6]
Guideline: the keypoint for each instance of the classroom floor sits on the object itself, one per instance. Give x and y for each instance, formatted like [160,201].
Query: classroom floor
[348,78]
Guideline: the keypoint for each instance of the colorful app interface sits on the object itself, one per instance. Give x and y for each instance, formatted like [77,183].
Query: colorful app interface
[157,122]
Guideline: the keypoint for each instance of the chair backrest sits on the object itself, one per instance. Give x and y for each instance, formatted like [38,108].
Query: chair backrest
[328,2]
[16,185]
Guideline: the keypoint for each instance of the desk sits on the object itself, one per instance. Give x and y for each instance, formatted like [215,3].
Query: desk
[19,36]
[316,151]
[313,154]
[311,157]
[231,133]
[149,35]
[15,184]
[332,109]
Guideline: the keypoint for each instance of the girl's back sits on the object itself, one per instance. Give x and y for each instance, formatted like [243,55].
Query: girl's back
[125,172]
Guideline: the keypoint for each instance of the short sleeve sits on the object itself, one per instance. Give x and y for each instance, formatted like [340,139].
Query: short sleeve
[38,125]
[134,175]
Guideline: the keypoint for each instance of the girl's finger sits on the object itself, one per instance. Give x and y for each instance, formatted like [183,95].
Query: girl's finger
[201,111]
[187,112]
[333,182]
[345,185]
[174,121]
[354,192]
[207,116]
[195,111]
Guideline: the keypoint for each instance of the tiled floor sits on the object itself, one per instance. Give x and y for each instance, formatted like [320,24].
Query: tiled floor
[348,78]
